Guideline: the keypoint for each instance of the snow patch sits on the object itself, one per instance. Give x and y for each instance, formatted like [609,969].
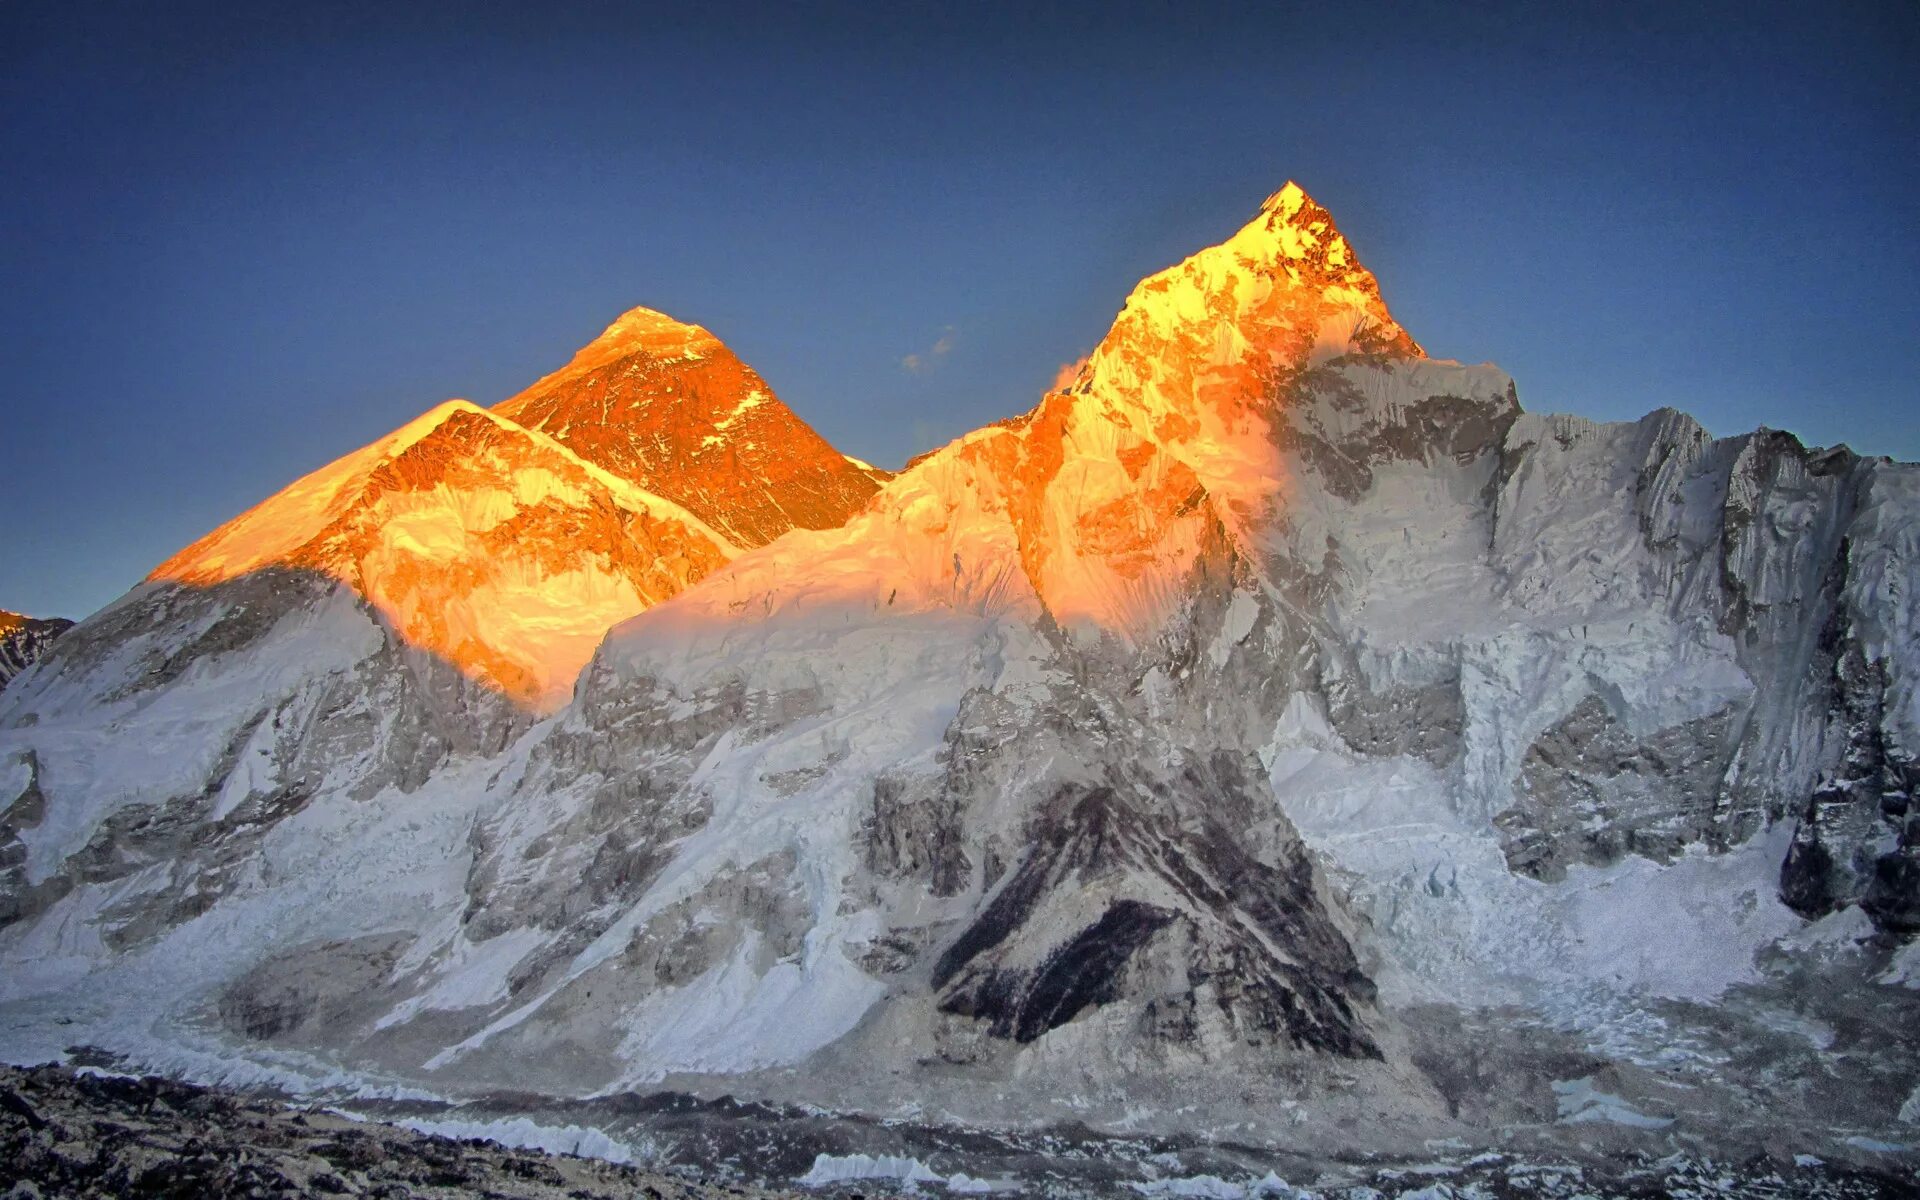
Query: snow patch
[1581,1102]
[843,1168]
[962,1183]
[1904,968]
[522,1133]
[1876,1146]
[1212,1187]
[1242,611]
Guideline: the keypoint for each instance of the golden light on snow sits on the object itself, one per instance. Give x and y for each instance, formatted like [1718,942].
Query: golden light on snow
[1161,454]
[508,553]
[477,541]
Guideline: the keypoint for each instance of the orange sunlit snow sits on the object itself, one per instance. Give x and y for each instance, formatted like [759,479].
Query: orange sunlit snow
[509,541]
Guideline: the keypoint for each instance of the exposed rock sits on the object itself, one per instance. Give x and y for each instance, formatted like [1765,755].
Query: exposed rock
[667,406]
[76,1136]
[1592,792]
[25,639]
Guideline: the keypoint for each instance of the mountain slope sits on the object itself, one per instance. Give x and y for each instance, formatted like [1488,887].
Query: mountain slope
[1005,741]
[993,690]
[380,622]
[1275,732]
[668,407]
[479,541]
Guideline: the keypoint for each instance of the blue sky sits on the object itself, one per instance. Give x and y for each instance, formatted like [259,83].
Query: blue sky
[238,241]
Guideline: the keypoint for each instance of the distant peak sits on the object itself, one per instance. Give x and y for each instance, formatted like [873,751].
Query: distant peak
[1288,201]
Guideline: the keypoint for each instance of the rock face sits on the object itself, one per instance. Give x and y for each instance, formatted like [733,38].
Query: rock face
[24,639]
[1192,738]
[668,407]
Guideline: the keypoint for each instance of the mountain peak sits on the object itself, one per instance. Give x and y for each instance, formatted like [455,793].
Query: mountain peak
[642,330]
[641,325]
[1288,201]
[1304,230]
[1287,286]
[667,406]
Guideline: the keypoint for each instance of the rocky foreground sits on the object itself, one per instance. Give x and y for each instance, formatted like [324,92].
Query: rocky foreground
[80,1134]
[64,1134]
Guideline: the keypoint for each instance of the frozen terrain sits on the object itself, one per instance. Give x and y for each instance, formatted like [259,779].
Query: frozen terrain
[1275,737]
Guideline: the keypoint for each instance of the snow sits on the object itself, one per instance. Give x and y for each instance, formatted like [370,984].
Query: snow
[961,1183]
[753,398]
[1242,611]
[1580,1101]
[471,975]
[429,557]
[636,330]
[1876,1146]
[526,1134]
[1013,565]
[1212,1187]
[1457,923]
[1688,929]
[166,745]
[830,1169]
[736,1017]
[1904,967]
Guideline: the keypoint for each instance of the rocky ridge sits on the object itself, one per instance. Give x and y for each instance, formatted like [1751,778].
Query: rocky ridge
[24,639]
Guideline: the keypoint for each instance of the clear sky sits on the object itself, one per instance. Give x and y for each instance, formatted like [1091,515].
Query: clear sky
[239,241]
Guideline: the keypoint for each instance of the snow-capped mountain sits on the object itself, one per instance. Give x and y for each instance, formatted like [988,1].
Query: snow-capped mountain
[24,639]
[486,544]
[667,406]
[1273,730]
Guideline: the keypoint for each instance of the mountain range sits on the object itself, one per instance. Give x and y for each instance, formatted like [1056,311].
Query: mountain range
[1275,733]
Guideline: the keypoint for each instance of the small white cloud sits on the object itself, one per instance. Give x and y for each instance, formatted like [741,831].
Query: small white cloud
[926,360]
[1068,373]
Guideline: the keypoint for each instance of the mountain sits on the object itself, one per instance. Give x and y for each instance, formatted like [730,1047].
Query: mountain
[24,639]
[1276,734]
[668,407]
[486,544]
[371,627]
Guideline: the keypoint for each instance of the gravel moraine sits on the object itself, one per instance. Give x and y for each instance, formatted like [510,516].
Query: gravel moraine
[64,1134]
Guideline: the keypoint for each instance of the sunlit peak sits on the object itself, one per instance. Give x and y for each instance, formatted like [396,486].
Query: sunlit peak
[642,330]
[641,322]
[1288,201]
